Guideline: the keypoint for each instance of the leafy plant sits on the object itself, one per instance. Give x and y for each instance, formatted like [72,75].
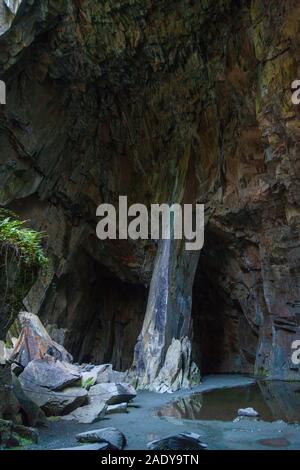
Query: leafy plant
[87,383]
[21,257]
[24,241]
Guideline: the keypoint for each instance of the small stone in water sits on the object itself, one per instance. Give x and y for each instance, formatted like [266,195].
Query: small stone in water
[250,412]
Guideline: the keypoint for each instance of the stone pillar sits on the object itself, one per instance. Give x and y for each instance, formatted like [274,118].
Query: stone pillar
[162,358]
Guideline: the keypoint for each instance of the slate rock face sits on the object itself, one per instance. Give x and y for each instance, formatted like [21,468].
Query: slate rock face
[90,413]
[51,374]
[34,343]
[164,102]
[113,393]
[112,436]
[181,441]
[56,403]
[13,435]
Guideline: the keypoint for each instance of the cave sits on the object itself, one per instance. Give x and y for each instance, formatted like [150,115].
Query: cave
[224,339]
[94,314]
[164,102]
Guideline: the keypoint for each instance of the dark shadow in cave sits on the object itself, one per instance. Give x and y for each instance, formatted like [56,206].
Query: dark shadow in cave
[99,315]
[223,342]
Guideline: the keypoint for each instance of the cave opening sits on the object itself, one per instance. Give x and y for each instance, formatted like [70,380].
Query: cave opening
[223,339]
[94,314]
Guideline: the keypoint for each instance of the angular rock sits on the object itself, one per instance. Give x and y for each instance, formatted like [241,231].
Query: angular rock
[64,402]
[34,415]
[89,414]
[110,435]
[250,412]
[89,374]
[181,441]
[55,403]
[112,393]
[51,374]
[92,375]
[241,155]
[9,406]
[35,343]
[158,356]
[178,370]
[31,434]
[106,374]
[8,11]
[119,408]
[13,435]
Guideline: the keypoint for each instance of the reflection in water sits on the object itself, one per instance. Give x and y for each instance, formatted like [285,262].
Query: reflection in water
[272,400]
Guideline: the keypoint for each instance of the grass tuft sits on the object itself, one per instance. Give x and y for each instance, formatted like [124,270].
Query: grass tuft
[24,241]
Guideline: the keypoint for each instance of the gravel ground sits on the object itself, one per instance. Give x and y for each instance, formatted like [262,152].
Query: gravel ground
[140,425]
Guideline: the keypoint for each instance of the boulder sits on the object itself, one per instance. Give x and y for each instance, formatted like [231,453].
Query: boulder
[30,434]
[14,435]
[55,403]
[119,408]
[34,415]
[49,373]
[111,436]
[35,343]
[113,393]
[9,406]
[181,441]
[89,374]
[92,375]
[249,412]
[178,371]
[106,374]
[89,414]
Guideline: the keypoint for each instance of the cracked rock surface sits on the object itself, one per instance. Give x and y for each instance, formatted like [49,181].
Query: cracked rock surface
[164,101]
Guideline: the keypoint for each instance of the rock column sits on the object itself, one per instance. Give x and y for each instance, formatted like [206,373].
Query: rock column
[162,359]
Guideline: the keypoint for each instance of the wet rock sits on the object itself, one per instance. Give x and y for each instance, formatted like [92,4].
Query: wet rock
[112,393]
[51,374]
[110,435]
[119,408]
[249,412]
[283,399]
[89,414]
[35,343]
[181,441]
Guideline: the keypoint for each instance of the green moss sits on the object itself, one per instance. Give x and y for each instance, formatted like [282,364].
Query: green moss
[262,372]
[53,419]
[25,242]
[87,383]
[21,257]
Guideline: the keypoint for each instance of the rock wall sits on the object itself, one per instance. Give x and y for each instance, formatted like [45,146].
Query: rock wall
[162,101]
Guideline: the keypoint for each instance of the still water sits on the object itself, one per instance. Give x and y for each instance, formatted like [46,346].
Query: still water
[272,400]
